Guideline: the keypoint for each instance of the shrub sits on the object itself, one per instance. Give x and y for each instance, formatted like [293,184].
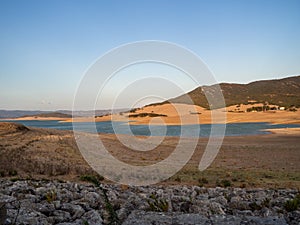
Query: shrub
[254,206]
[266,202]
[202,181]
[157,205]
[50,196]
[14,179]
[12,173]
[85,222]
[2,174]
[223,183]
[92,179]
[178,179]
[147,114]
[292,205]
[112,215]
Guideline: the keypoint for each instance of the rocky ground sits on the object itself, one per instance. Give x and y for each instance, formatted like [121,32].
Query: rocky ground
[28,155]
[55,202]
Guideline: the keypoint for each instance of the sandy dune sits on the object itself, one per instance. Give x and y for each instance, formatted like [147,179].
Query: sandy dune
[289,131]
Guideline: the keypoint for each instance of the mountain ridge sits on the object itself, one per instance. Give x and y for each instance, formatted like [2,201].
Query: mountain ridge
[283,92]
[68,113]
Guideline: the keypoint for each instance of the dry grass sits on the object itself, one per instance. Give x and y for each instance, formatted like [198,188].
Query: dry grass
[253,161]
[39,153]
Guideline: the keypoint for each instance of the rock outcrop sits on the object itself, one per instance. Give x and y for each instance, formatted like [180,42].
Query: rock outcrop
[66,203]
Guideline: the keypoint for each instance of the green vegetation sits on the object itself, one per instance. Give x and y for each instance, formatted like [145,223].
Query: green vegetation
[255,206]
[113,217]
[260,108]
[132,110]
[94,179]
[17,215]
[85,222]
[51,196]
[12,173]
[178,179]
[157,205]
[14,179]
[147,114]
[266,202]
[292,205]
[223,183]
[202,181]
[99,116]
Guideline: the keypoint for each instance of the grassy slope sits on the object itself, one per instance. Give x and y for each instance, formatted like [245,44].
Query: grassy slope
[283,92]
[254,161]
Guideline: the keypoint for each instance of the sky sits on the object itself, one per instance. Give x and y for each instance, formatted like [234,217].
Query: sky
[46,47]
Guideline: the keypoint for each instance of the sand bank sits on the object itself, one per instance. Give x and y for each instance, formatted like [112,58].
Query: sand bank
[287,131]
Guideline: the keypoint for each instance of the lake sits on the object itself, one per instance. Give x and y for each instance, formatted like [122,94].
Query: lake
[233,129]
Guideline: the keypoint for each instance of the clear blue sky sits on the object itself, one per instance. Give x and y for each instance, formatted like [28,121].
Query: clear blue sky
[46,46]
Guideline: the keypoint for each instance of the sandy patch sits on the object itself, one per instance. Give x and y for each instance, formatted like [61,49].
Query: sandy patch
[177,114]
[287,131]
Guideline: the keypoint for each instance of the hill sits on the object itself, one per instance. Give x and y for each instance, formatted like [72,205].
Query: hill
[28,151]
[51,114]
[282,92]
[83,113]
[19,113]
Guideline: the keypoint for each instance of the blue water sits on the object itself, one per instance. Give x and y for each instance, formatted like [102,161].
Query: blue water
[234,129]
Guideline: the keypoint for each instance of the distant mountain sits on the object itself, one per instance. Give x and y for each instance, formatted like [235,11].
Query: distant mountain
[88,113]
[283,92]
[51,114]
[19,113]
[63,113]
